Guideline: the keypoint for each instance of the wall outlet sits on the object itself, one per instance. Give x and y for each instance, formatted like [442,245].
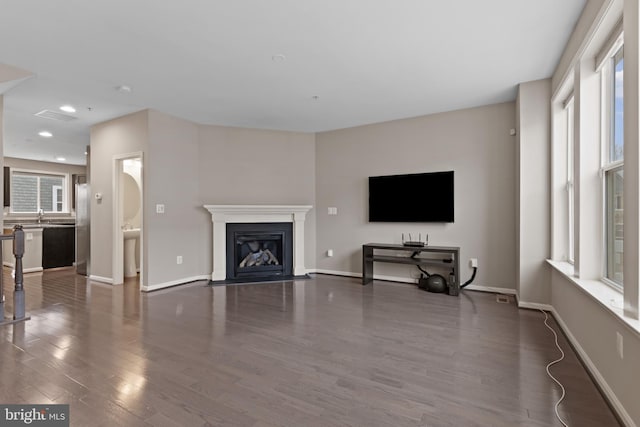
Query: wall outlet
[473,262]
[329,252]
[179,259]
[620,345]
[28,236]
[333,211]
[160,209]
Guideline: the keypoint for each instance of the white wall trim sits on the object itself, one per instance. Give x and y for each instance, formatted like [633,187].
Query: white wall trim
[375,276]
[602,383]
[184,281]
[335,273]
[534,306]
[491,289]
[101,279]
[24,270]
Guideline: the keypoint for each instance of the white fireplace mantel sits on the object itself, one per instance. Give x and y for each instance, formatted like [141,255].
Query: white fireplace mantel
[223,214]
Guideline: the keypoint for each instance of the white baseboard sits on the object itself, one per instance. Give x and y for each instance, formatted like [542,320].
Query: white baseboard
[101,279]
[535,306]
[604,387]
[335,273]
[359,275]
[149,288]
[24,270]
[491,289]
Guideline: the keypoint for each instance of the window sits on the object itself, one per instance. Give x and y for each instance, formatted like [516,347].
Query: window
[31,192]
[57,198]
[613,168]
[570,189]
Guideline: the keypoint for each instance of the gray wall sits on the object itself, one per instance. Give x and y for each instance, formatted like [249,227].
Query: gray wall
[123,135]
[185,166]
[594,329]
[475,143]
[592,12]
[249,166]
[590,319]
[532,192]
[171,178]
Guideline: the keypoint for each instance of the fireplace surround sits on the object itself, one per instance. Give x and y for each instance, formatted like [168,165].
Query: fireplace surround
[221,215]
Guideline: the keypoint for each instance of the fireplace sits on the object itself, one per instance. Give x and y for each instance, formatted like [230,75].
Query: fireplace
[221,215]
[259,250]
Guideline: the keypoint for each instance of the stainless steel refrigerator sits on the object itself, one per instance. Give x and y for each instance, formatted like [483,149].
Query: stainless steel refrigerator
[83,204]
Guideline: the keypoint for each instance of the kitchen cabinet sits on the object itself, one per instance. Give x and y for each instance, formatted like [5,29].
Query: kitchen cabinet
[58,246]
[46,246]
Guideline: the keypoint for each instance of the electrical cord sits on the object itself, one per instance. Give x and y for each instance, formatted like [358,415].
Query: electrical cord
[555,336]
[473,276]
[424,271]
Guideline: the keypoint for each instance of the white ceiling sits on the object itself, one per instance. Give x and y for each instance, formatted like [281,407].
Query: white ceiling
[211,61]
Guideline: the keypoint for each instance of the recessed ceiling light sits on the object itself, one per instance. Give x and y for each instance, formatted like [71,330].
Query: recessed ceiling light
[60,159]
[45,134]
[124,89]
[278,58]
[68,109]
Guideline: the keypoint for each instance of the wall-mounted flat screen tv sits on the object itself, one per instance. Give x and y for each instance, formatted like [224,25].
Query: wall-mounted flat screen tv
[420,197]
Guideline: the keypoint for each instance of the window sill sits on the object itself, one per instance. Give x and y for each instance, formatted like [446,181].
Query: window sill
[609,298]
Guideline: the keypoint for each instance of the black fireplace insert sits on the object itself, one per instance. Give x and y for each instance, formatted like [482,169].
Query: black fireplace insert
[259,250]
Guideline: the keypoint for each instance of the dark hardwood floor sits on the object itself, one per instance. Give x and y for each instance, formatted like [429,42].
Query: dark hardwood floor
[319,352]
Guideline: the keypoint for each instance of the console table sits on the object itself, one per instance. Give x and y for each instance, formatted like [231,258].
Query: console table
[400,254]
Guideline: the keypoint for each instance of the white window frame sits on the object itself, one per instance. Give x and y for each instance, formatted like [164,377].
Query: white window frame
[40,173]
[570,117]
[54,197]
[607,73]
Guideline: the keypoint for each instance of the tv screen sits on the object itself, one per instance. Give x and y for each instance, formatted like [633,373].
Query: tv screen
[420,197]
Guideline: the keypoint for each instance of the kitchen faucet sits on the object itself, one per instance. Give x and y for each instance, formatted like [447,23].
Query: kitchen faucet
[40,215]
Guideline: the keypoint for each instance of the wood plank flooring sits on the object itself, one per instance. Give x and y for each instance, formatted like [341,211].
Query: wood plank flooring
[319,352]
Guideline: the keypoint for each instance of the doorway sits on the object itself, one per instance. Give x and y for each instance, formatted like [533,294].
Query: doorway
[128,215]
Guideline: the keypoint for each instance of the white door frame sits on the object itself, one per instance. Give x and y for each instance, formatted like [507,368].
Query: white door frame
[117,261]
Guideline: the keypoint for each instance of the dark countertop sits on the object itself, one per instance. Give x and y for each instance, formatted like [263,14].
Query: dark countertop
[42,225]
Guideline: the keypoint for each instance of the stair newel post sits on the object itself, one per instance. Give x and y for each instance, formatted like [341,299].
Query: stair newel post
[18,252]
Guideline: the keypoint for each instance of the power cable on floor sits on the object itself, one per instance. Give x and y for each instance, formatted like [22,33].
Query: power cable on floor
[555,336]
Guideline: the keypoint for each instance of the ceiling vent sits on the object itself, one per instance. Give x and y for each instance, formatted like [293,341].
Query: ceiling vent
[54,115]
